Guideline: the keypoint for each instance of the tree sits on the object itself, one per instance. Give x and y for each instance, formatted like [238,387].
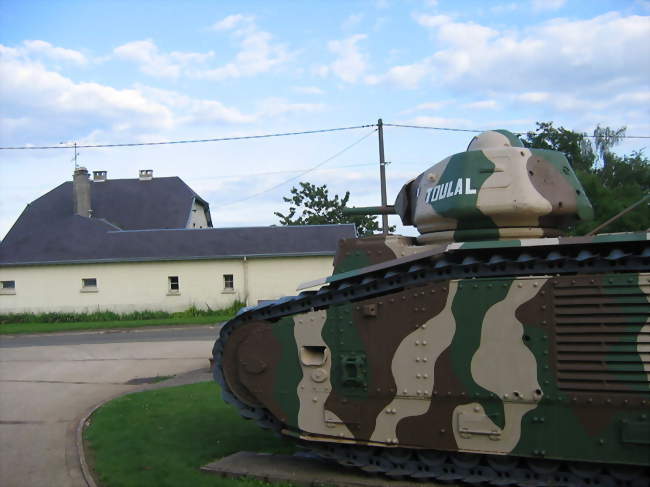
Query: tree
[312,205]
[606,138]
[575,145]
[611,186]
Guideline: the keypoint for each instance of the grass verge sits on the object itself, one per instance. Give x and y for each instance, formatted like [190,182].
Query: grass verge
[162,437]
[21,328]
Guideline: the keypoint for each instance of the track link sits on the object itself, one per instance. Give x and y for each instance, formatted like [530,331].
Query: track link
[429,465]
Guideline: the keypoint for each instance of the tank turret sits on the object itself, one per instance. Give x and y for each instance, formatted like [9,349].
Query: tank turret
[496,189]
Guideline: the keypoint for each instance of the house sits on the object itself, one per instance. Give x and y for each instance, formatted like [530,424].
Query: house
[148,244]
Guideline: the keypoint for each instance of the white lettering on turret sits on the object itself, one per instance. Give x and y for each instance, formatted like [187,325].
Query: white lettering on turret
[468,187]
[435,193]
[445,190]
[459,187]
[446,193]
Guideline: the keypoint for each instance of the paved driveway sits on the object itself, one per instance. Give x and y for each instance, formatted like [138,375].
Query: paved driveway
[48,382]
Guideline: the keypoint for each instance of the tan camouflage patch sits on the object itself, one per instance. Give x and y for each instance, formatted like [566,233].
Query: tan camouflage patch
[315,386]
[413,370]
[524,204]
[474,431]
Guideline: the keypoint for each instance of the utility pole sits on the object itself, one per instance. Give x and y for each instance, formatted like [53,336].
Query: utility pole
[382,175]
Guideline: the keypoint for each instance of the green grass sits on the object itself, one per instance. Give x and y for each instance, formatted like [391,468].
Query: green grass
[161,438]
[101,320]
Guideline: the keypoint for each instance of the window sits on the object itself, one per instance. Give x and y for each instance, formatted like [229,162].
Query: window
[228,282]
[174,287]
[89,285]
[7,287]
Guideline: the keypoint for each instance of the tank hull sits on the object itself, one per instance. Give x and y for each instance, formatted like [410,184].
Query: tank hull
[536,353]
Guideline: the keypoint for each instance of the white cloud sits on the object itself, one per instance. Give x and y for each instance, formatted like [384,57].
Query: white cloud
[308,90]
[39,48]
[407,76]
[558,55]
[627,102]
[351,63]
[29,88]
[482,105]
[191,111]
[257,51]
[33,96]
[146,54]
[534,97]
[505,7]
[539,5]
[432,105]
[426,20]
[232,21]
[53,52]
[352,21]
[272,107]
[441,122]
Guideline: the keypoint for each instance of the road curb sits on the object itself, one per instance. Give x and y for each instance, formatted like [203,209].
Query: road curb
[86,472]
[99,331]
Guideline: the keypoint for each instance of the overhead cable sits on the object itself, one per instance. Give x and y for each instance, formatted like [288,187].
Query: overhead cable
[448,129]
[313,168]
[192,141]
[265,136]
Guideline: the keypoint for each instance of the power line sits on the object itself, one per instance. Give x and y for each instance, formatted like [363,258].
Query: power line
[265,136]
[287,171]
[192,141]
[313,168]
[448,129]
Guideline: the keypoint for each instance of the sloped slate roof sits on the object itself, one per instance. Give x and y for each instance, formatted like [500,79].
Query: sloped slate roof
[137,220]
[129,204]
[77,239]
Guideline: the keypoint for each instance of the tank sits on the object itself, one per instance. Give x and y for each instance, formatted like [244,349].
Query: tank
[489,349]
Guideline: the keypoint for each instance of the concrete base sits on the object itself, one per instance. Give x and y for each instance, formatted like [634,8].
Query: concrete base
[298,470]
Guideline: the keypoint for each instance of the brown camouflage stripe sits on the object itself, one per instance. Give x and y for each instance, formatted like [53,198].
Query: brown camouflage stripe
[249,365]
[381,335]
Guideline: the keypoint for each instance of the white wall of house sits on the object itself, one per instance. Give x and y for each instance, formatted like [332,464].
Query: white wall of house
[125,287]
[198,217]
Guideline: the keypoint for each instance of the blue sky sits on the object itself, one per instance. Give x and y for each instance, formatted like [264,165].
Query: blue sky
[139,71]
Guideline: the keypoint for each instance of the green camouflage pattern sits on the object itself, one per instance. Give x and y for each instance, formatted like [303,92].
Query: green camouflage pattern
[497,189]
[489,333]
[553,367]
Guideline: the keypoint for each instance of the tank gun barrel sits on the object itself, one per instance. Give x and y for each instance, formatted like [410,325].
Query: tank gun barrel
[370,210]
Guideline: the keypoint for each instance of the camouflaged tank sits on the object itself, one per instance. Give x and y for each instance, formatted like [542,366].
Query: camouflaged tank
[488,350]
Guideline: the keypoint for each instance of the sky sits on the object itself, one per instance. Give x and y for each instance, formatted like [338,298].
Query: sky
[111,72]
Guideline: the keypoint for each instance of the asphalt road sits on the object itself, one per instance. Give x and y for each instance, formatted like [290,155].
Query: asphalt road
[49,381]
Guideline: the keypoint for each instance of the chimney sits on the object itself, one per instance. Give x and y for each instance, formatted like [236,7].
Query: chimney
[81,192]
[146,174]
[99,176]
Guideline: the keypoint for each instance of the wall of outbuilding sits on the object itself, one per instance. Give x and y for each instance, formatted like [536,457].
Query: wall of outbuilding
[125,287]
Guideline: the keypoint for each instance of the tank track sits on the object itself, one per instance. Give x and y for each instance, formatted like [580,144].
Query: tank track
[429,465]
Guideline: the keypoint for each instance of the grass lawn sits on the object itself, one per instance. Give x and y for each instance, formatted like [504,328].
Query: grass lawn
[162,437]
[18,328]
